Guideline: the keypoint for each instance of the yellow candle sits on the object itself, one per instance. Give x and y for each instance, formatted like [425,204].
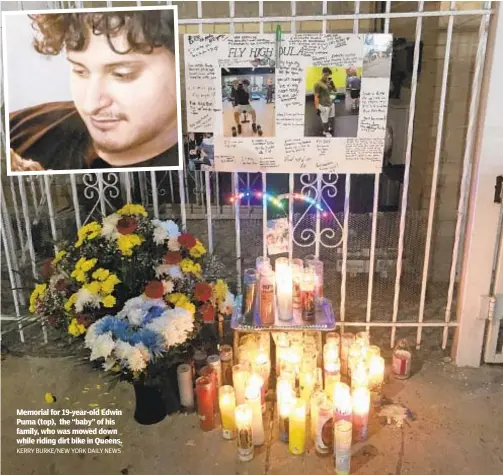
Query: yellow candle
[359,376]
[361,407]
[376,376]
[227,403]
[240,375]
[371,351]
[297,428]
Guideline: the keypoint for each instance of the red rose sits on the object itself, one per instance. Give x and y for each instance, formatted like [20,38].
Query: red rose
[47,269]
[208,312]
[172,257]
[202,292]
[154,289]
[126,225]
[187,240]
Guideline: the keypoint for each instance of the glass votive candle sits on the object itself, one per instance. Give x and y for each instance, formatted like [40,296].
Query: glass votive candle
[185,386]
[244,432]
[211,373]
[347,339]
[199,360]
[343,431]
[297,428]
[285,405]
[257,381]
[297,273]
[308,295]
[354,356]
[252,396]
[333,336]
[226,360]
[262,366]
[267,297]
[216,364]
[227,402]
[261,262]
[249,290]
[323,440]
[371,351]
[343,406]
[376,378]
[240,376]
[361,408]
[205,402]
[363,338]
[317,266]
[359,376]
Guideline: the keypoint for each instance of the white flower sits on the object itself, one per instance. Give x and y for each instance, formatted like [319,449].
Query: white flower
[109,228]
[108,364]
[168,286]
[173,244]
[136,361]
[227,306]
[86,299]
[123,350]
[103,346]
[169,226]
[175,272]
[91,336]
[160,235]
[162,269]
[143,351]
[136,315]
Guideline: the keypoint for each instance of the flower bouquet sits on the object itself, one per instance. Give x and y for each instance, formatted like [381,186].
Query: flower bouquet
[134,290]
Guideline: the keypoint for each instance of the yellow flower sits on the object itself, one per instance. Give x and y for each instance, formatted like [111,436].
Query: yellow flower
[59,255]
[198,250]
[220,290]
[181,300]
[132,210]
[109,301]
[126,243]
[38,293]
[101,274]
[70,302]
[89,231]
[75,328]
[190,267]
[89,264]
[94,287]
[79,275]
[49,398]
[107,287]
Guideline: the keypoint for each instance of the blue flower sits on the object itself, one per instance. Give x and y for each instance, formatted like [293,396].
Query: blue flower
[152,313]
[111,324]
[170,226]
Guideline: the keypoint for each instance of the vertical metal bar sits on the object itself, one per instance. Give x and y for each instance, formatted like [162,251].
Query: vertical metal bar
[31,180]
[16,212]
[183,211]
[217,190]
[101,191]
[375,211]
[236,184]
[317,242]
[356,20]
[261,16]
[467,161]
[209,216]
[264,214]
[345,249]
[143,188]
[408,155]
[291,189]
[75,199]
[436,166]
[13,281]
[155,196]
[171,188]
[248,189]
[127,184]
[26,215]
[50,207]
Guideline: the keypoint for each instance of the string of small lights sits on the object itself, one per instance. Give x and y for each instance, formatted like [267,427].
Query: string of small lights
[279,200]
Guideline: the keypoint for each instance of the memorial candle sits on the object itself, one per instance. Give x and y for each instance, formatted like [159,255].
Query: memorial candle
[284,409]
[376,377]
[226,360]
[184,374]
[249,291]
[333,337]
[216,364]
[262,366]
[266,306]
[361,407]
[332,376]
[205,410]
[359,376]
[244,428]
[306,385]
[307,288]
[240,376]
[317,398]
[342,447]
[252,396]
[257,381]
[324,428]
[317,267]
[199,361]
[371,351]
[347,340]
[297,428]
[297,272]
[211,373]
[227,401]
[284,289]
[342,402]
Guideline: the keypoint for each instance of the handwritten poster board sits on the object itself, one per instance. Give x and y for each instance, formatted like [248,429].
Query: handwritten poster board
[320,105]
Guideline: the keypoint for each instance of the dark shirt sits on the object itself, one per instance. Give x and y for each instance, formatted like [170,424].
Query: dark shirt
[240,97]
[55,135]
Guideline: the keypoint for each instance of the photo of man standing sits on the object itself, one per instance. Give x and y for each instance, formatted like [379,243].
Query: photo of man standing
[324,101]
[123,82]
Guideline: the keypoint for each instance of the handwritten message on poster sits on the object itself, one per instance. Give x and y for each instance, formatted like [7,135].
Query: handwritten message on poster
[312,103]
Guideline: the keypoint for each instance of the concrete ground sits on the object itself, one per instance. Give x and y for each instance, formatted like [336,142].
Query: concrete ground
[457,428]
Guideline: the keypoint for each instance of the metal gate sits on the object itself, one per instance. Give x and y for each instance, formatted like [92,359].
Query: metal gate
[380,237]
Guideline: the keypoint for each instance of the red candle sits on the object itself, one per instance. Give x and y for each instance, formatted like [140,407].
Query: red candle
[205,409]
[212,374]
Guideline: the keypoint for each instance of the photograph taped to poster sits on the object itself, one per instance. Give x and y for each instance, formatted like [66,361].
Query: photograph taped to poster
[320,105]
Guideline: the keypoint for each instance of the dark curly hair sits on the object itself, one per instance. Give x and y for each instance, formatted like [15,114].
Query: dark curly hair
[145,30]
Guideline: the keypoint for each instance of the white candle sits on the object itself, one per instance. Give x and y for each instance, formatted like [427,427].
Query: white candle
[342,447]
[244,427]
[359,376]
[185,386]
[361,407]
[342,402]
[284,288]
[215,363]
[227,402]
[262,366]
[376,377]
[240,376]
[257,381]
[252,395]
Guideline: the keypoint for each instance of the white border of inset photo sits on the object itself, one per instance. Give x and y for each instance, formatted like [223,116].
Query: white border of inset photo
[7,14]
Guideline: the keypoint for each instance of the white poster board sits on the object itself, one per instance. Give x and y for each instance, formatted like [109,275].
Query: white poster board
[321,109]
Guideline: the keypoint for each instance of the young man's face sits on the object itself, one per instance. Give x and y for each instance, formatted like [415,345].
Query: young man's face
[127,101]
[326,76]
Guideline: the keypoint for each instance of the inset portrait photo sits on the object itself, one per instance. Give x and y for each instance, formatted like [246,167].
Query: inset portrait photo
[332,101]
[248,102]
[92,90]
